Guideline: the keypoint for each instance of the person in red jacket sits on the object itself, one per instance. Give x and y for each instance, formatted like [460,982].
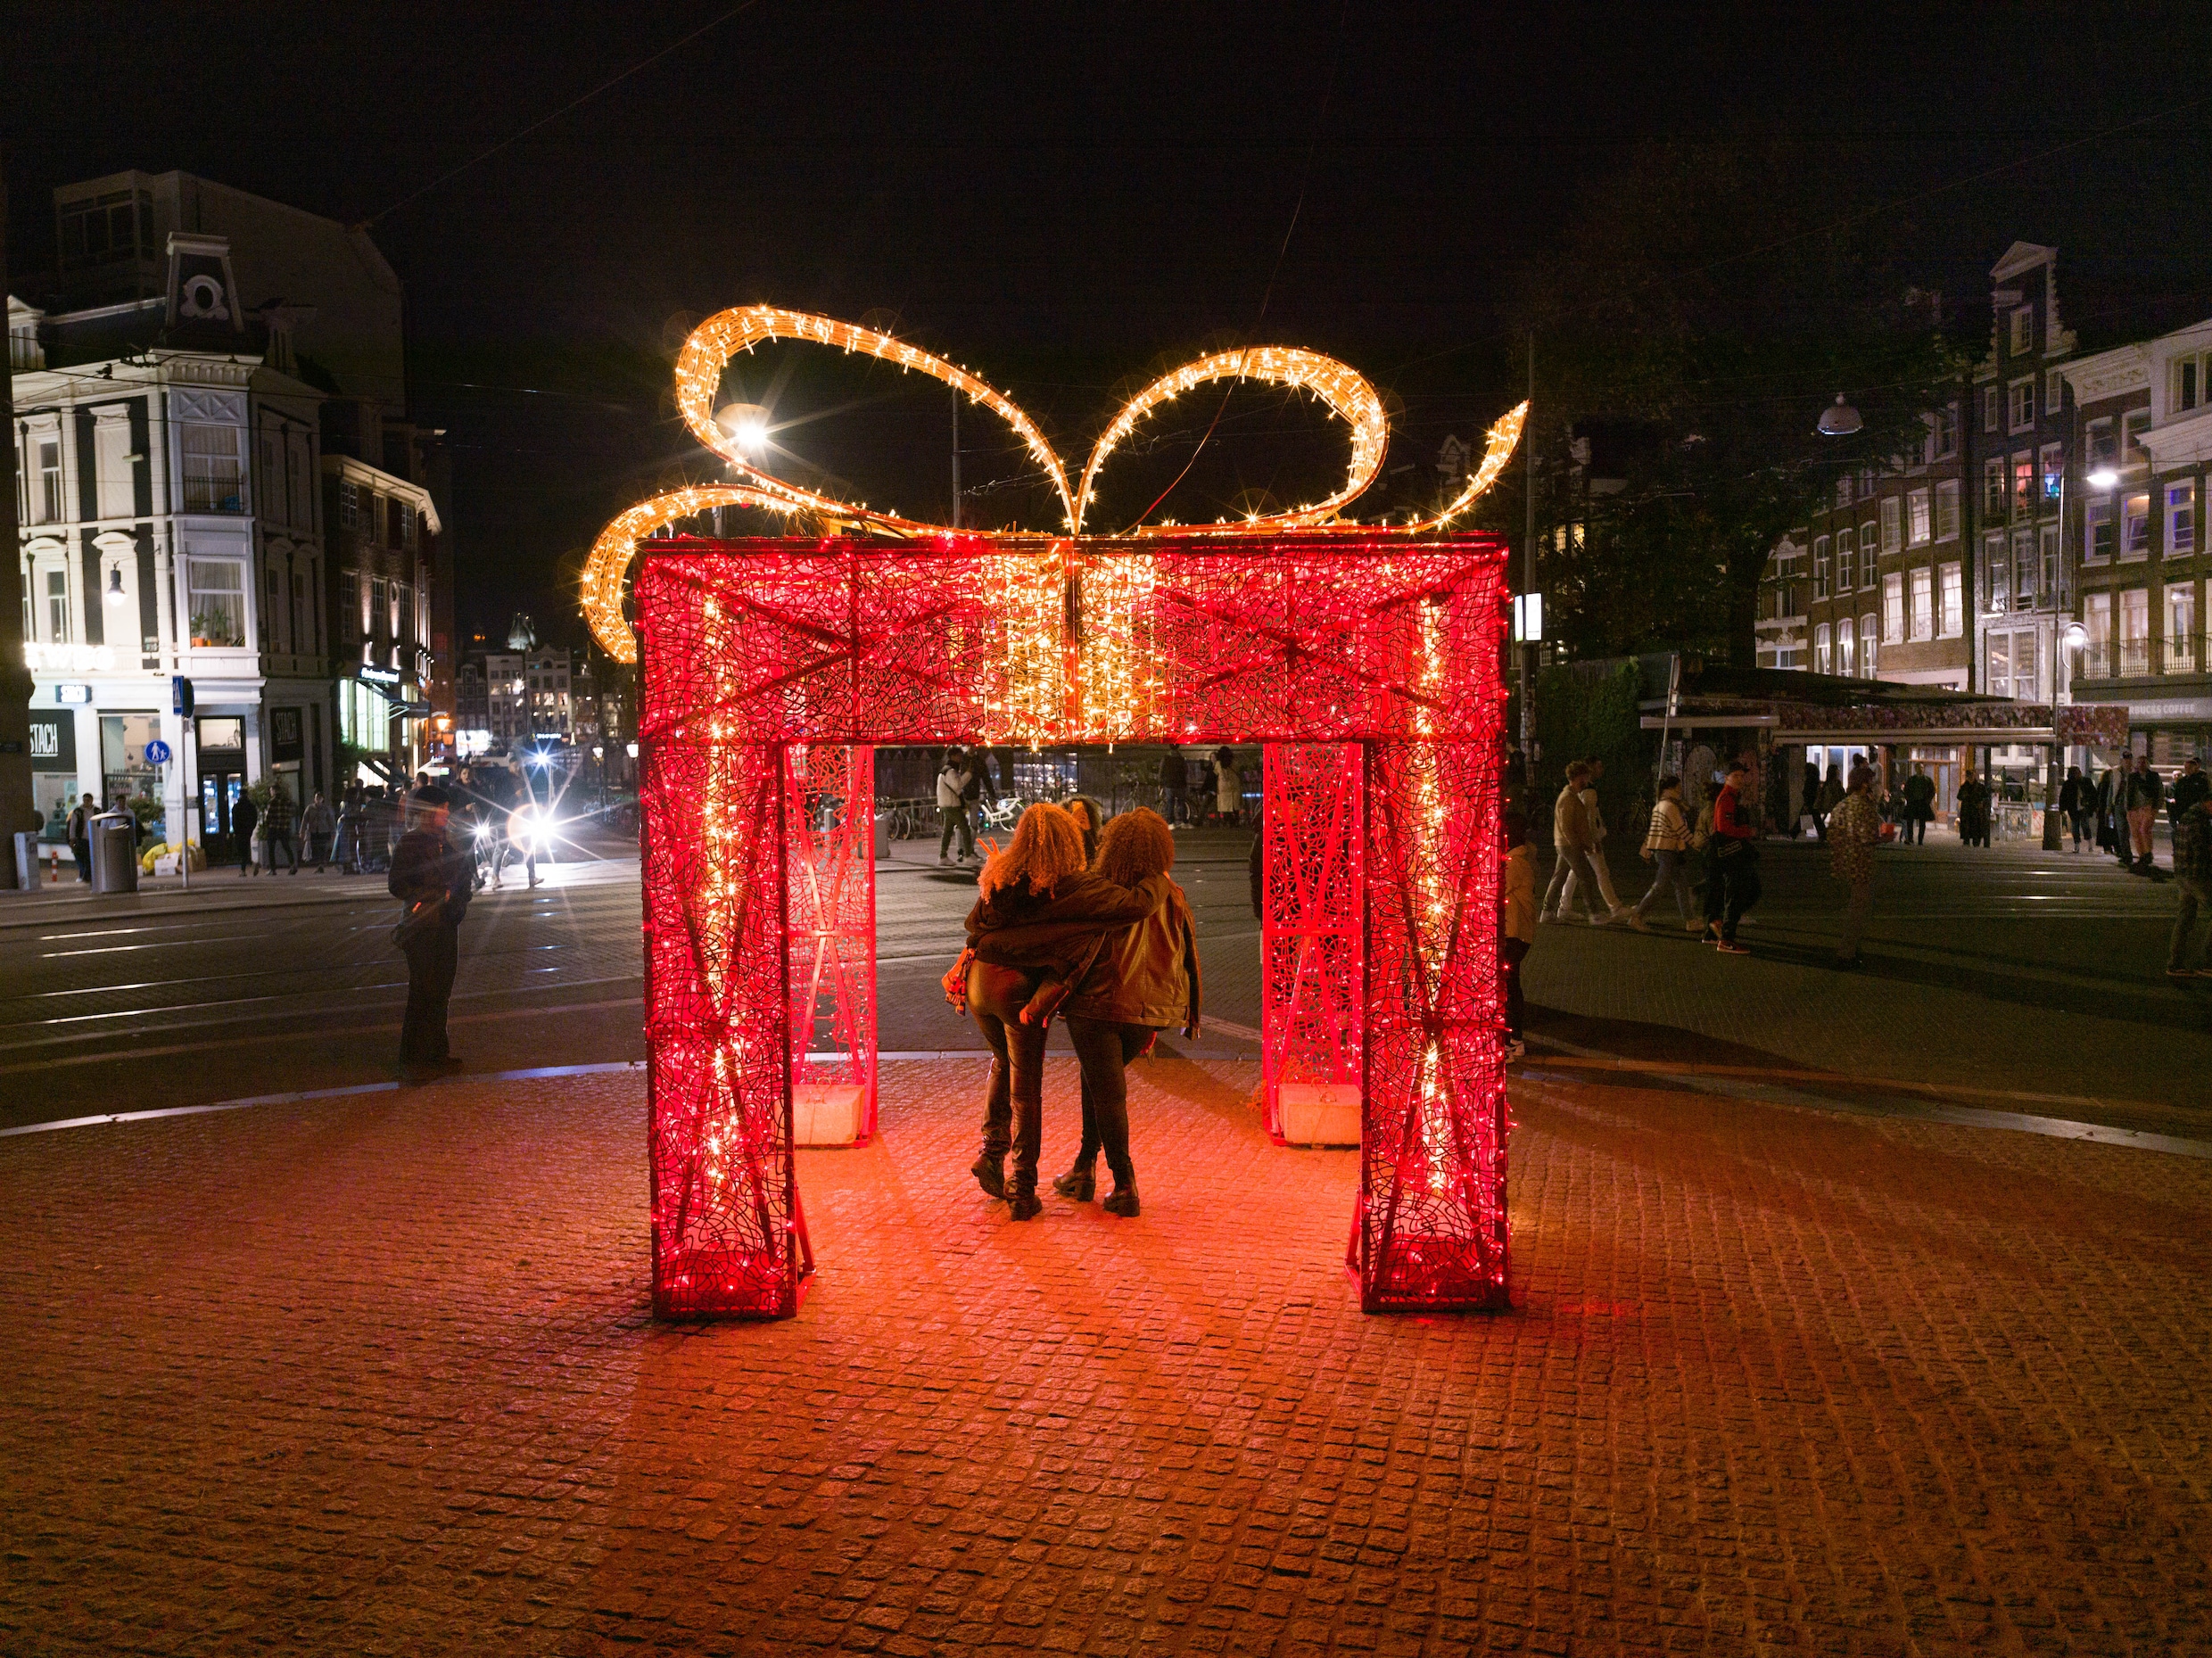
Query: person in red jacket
[1731,862]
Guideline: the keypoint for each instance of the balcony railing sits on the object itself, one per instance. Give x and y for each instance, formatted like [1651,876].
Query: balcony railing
[2128,659]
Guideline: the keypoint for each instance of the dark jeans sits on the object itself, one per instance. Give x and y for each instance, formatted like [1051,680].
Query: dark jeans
[1731,887]
[81,850]
[1511,953]
[1013,1102]
[318,849]
[1915,830]
[956,820]
[281,838]
[2084,827]
[1104,1049]
[430,964]
[2194,896]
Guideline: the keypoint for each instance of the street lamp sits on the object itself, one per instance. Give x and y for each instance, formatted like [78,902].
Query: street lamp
[1839,420]
[2103,478]
[116,596]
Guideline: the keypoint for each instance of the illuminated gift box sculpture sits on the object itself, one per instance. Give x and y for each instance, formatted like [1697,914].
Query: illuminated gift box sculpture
[1366,661]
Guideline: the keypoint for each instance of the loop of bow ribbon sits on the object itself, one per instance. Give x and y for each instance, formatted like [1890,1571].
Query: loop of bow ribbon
[715,342]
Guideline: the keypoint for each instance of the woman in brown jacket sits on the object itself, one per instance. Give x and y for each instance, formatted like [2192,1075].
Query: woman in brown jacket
[1144,980]
[1036,928]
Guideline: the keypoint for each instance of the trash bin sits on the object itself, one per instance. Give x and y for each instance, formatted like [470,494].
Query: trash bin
[114,854]
[26,851]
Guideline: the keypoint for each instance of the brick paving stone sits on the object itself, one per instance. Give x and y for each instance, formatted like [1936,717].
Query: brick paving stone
[378,1375]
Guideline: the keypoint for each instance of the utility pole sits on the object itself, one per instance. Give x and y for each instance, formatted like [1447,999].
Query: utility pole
[18,811]
[956,458]
[1529,646]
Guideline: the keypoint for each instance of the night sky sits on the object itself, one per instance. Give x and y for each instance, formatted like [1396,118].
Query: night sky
[1070,200]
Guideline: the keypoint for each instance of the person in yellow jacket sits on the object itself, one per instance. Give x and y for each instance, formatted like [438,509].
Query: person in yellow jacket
[1519,931]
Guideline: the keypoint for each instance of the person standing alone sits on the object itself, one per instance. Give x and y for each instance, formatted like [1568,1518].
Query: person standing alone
[436,878]
[1666,843]
[79,832]
[1855,828]
[953,780]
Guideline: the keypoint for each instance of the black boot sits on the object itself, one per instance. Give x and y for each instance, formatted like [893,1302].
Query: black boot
[1079,1183]
[1022,1200]
[990,1172]
[1123,1200]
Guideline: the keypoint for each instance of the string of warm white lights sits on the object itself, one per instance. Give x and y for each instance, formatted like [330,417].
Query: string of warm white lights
[700,369]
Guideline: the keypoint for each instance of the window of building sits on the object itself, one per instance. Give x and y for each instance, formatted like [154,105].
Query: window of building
[2049,534]
[379,603]
[214,469]
[2026,682]
[1893,532]
[2135,630]
[1820,567]
[57,607]
[2097,623]
[1866,645]
[111,442]
[1846,647]
[97,230]
[2022,398]
[1999,574]
[1920,605]
[2024,485]
[405,537]
[1843,490]
[2181,518]
[216,594]
[2101,449]
[1869,538]
[2054,392]
[1846,563]
[2181,628]
[1894,608]
[402,610]
[2135,527]
[50,508]
[1947,432]
[2053,468]
[272,480]
[2097,533]
[2023,330]
[1998,670]
[2024,565]
[348,505]
[1947,510]
[1920,517]
[1951,588]
[1989,407]
[350,601]
[272,633]
[300,461]
[2189,389]
[2134,424]
[1994,487]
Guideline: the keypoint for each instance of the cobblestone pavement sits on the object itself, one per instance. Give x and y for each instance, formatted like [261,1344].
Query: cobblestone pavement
[375,1376]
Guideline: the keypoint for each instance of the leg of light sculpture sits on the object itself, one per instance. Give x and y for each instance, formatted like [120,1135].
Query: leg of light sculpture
[831,798]
[1310,928]
[1430,1230]
[727,1235]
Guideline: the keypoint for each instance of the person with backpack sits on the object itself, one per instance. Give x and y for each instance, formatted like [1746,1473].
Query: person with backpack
[1666,846]
[1731,862]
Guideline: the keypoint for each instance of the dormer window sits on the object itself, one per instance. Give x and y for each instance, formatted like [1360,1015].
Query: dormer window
[100,230]
[2023,330]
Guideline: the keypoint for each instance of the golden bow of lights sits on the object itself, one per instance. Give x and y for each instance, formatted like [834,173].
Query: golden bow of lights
[1346,391]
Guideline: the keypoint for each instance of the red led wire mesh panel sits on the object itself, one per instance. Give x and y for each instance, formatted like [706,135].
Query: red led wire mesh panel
[763,659]
[1312,909]
[830,908]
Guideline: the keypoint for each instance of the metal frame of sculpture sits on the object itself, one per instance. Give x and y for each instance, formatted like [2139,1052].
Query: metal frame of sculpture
[1368,667]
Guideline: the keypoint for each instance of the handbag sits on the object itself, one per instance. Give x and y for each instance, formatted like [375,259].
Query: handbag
[423,918]
[955,983]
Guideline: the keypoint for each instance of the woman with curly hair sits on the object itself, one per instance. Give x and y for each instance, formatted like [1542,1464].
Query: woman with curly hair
[1143,981]
[1035,927]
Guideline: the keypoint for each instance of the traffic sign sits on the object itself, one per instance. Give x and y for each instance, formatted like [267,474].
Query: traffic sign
[157,752]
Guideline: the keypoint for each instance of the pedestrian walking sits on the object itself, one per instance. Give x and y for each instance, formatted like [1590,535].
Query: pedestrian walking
[1809,792]
[2077,803]
[1831,797]
[1615,910]
[244,817]
[2192,879]
[2190,787]
[78,831]
[1040,921]
[1731,862]
[318,823]
[434,875]
[352,821]
[276,827]
[1173,779]
[1228,787]
[954,777]
[1853,831]
[1570,842]
[1973,798]
[1666,846]
[1920,806]
[2144,791]
[1518,929]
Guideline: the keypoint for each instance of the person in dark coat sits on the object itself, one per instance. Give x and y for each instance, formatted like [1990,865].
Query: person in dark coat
[1174,778]
[1040,919]
[244,816]
[2077,801]
[1091,819]
[79,833]
[1973,798]
[435,877]
[1920,805]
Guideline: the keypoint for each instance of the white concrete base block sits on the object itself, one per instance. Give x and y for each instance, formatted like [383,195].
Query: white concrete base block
[827,1114]
[1319,1114]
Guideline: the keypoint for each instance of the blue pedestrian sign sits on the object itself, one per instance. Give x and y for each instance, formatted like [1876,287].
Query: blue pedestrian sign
[157,753]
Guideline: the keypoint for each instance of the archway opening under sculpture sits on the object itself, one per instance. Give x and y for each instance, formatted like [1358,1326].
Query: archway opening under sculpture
[1368,667]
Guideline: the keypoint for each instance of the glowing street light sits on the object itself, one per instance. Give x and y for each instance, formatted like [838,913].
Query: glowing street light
[2103,478]
[1839,420]
[746,424]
